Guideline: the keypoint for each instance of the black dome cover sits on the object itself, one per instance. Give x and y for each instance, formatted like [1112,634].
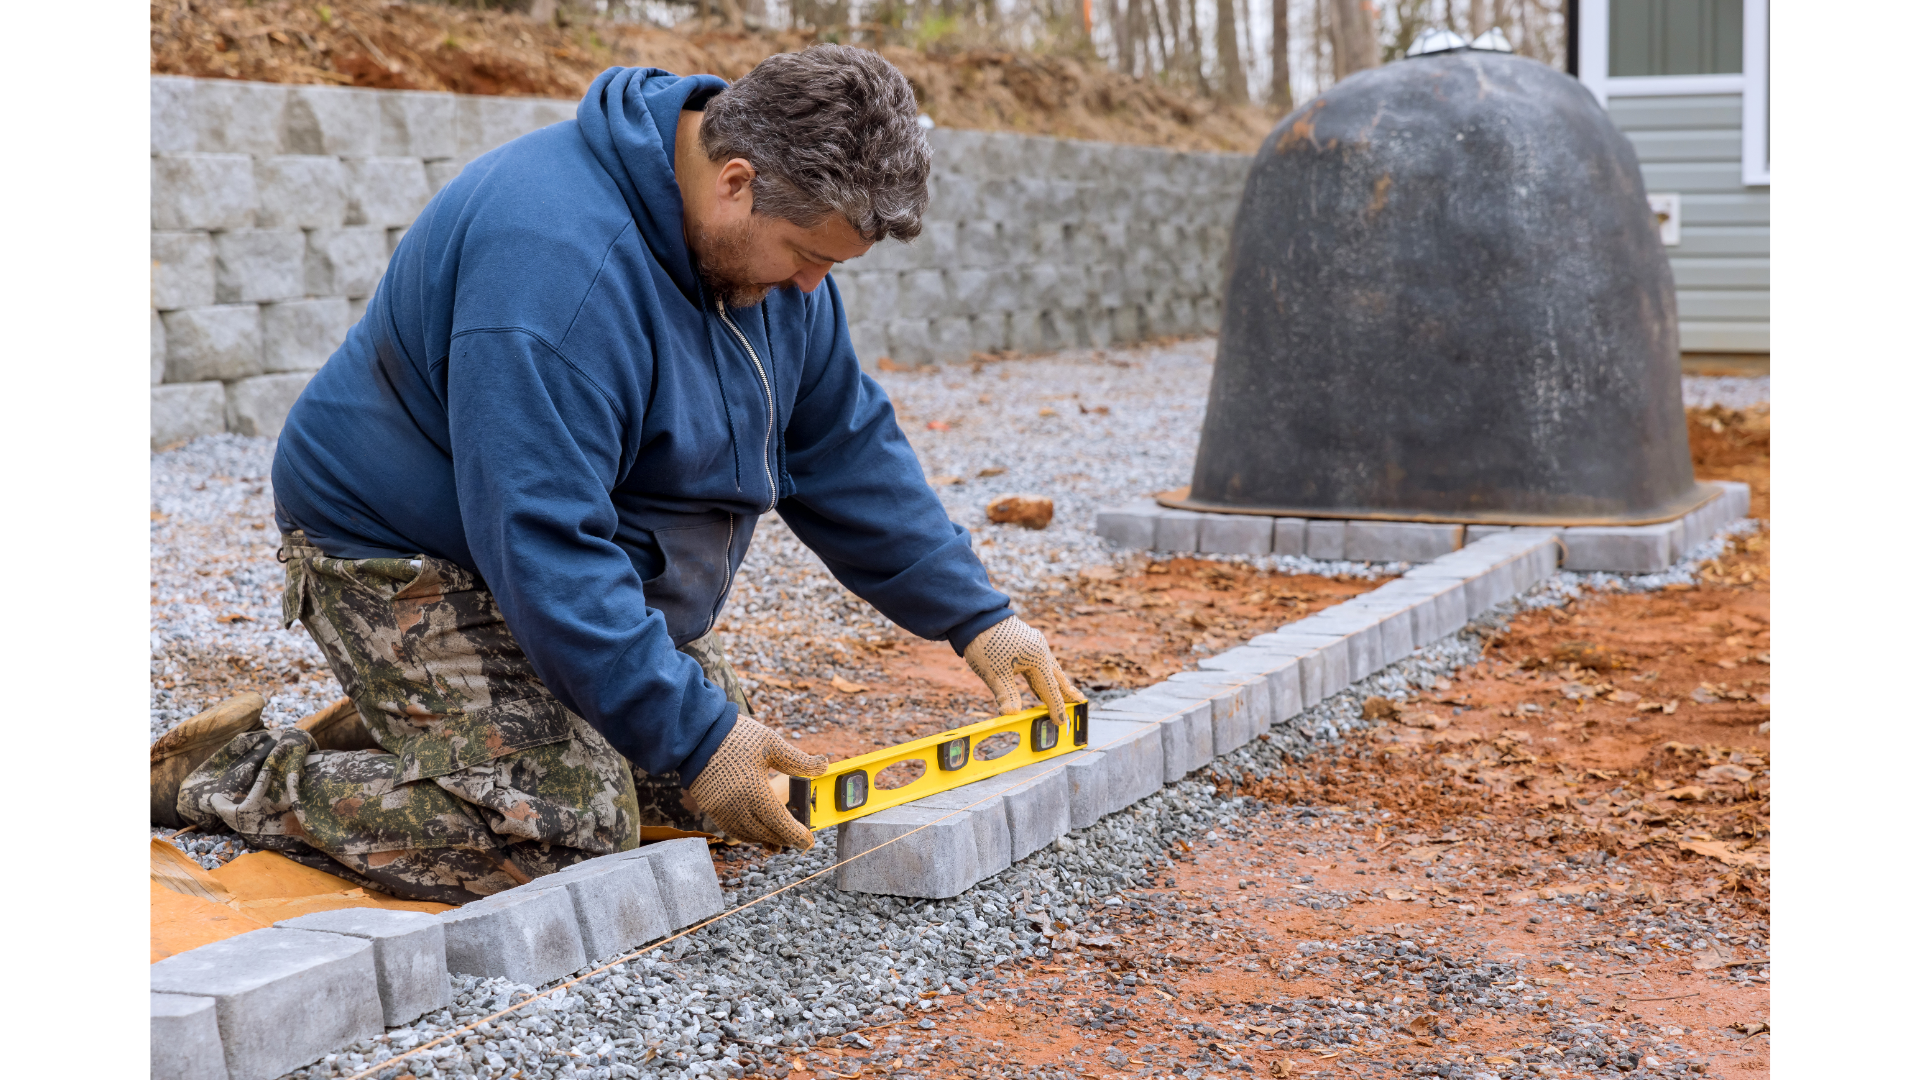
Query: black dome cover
[1447,300]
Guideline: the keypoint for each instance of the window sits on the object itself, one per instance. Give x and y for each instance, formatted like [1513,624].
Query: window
[1674,37]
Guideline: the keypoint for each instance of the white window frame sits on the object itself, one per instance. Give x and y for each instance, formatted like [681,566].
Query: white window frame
[1750,83]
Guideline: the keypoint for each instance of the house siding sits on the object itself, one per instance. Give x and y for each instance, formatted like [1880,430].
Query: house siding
[1691,145]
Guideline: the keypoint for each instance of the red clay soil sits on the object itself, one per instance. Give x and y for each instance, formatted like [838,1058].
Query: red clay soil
[393,45]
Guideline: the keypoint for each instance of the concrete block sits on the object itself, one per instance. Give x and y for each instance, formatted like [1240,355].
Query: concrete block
[1394,627]
[1400,541]
[300,192]
[182,411]
[989,330]
[1289,536]
[259,406]
[1135,755]
[299,335]
[1242,703]
[170,128]
[157,349]
[1626,549]
[1359,626]
[1035,798]
[923,294]
[182,270]
[184,1039]
[335,120]
[616,904]
[985,813]
[684,874]
[409,956]
[1326,539]
[1088,794]
[1186,729]
[908,341]
[234,117]
[385,191]
[1280,662]
[869,340]
[528,936]
[416,124]
[1129,526]
[202,191]
[483,123]
[282,998]
[1235,534]
[1177,530]
[345,262]
[913,852]
[950,337]
[1321,658]
[1444,614]
[441,173]
[251,265]
[356,310]
[1489,587]
[1481,532]
[1739,496]
[221,342]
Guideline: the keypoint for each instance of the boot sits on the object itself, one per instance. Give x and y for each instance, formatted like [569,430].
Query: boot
[189,745]
[339,727]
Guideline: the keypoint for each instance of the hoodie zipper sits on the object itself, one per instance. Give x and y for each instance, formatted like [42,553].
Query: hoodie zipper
[766,451]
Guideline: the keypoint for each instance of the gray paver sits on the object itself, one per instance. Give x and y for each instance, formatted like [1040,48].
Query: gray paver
[409,955]
[616,903]
[1289,536]
[526,935]
[1186,728]
[1278,666]
[185,410]
[684,873]
[1087,790]
[986,813]
[1326,539]
[1400,541]
[934,862]
[1623,549]
[1235,534]
[1242,705]
[1135,755]
[1177,530]
[1129,526]
[1394,629]
[184,1039]
[259,406]
[202,191]
[1037,800]
[283,997]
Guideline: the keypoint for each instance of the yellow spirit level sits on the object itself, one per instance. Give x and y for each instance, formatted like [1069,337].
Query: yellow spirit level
[948,760]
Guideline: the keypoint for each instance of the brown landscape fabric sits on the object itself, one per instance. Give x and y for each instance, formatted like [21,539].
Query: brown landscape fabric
[191,907]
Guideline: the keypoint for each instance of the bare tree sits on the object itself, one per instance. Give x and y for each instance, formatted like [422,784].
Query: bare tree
[1355,47]
[1226,47]
[1281,96]
[1193,40]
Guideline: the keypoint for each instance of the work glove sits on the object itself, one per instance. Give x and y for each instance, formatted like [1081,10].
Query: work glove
[733,788]
[1010,650]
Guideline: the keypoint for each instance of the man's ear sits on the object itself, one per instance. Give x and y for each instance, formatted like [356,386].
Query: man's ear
[734,184]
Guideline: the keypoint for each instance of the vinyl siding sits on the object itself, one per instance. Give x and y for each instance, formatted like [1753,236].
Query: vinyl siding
[1691,145]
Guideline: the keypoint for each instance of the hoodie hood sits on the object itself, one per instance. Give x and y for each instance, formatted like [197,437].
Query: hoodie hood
[629,118]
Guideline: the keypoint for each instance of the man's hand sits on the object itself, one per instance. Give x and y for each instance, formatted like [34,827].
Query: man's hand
[733,787]
[1010,650]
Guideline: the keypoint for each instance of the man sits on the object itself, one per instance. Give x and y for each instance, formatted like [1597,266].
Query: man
[514,500]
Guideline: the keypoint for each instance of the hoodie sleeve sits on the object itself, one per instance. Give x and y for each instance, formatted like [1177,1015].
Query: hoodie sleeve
[861,501]
[536,450]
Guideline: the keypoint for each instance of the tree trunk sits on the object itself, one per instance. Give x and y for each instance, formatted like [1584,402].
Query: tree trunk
[1194,56]
[1160,35]
[1226,47]
[1281,96]
[1477,19]
[1118,28]
[1354,47]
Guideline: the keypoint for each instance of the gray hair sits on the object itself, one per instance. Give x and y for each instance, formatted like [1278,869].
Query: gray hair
[830,129]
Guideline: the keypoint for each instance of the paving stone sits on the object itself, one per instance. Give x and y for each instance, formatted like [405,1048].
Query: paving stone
[1628,549]
[986,814]
[259,406]
[1394,628]
[1326,539]
[1481,532]
[1278,669]
[202,191]
[157,350]
[441,173]
[300,192]
[182,270]
[1400,541]
[684,873]
[182,411]
[1036,800]
[616,904]
[184,1039]
[170,128]
[385,191]
[1186,728]
[1242,704]
[1320,659]
[1135,755]
[1360,626]
[282,998]
[299,335]
[1088,797]
[933,853]
[416,124]
[219,342]
[1740,498]
[235,117]
[346,262]
[1177,530]
[524,935]
[409,956]
[1128,526]
[1289,536]
[252,265]
[1235,534]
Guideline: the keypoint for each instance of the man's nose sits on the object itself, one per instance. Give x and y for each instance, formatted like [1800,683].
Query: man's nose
[809,280]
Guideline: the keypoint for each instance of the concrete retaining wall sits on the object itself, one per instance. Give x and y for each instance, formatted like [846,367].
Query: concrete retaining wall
[275,209]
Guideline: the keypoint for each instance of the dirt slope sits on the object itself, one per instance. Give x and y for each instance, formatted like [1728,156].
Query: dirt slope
[396,45]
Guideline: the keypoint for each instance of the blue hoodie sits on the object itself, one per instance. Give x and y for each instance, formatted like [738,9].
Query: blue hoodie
[543,392]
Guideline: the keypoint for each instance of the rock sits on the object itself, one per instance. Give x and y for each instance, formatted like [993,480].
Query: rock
[1032,511]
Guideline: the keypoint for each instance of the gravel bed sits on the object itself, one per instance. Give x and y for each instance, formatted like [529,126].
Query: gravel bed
[1728,391]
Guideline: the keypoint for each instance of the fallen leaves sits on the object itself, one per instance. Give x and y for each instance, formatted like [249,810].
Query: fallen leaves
[1724,851]
[1399,894]
[1030,511]
[847,686]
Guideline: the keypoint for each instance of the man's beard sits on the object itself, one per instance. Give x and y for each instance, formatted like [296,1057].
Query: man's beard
[721,256]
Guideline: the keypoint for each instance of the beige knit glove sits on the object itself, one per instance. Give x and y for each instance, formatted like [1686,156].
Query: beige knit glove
[733,787]
[1011,648]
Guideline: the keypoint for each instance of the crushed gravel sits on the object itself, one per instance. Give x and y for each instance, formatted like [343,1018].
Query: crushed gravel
[1727,391]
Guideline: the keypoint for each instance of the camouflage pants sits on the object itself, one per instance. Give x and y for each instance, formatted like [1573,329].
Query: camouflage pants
[483,780]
